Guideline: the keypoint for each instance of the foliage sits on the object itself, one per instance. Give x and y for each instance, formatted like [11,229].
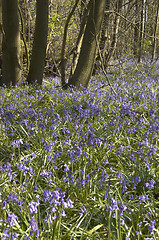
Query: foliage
[81,165]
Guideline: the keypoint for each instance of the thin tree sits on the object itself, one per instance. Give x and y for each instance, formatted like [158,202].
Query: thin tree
[83,20]
[154,44]
[11,43]
[142,26]
[39,43]
[88,51]
[113,44]
[1,32]
[64,43]
[136,29]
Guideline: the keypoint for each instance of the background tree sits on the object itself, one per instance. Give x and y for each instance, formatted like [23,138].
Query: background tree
[154,43]
[1,32]
[40,43]
[142,27]
[88,51]
[11,43]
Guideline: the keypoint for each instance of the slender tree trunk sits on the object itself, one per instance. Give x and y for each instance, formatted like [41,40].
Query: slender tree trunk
[39,44]
[1,31]
[136,29]
[155,33]
[142,25]
[79,40]
[64,44]
[88,51]
[104,32]
[115,34]
[104,38]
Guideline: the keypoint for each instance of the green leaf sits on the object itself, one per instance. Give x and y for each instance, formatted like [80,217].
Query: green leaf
[94,229]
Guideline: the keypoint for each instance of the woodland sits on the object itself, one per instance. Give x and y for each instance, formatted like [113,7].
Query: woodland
[73,39]
[79,119]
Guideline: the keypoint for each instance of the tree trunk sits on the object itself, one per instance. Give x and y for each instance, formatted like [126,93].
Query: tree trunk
[136,29]
[79,39]
[64,43]
[142,25]
[39,44]
[1,31]
[104,39]
[115,34]
[11,43]
[88,51]
[155,34]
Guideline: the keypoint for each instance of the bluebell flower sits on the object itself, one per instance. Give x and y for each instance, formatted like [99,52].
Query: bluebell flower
[151,226]
[11,219]
[34,226]
[4,205]
[150,184]
[33,207]
[69,203]
[83,210]
[122,209]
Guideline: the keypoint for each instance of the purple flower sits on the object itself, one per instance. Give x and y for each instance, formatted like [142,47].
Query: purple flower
[114,204]
[34,226]
[11,219]
[152,226]
[66,169]
[83,210]
[150,184]
[6,234]
[35,188]
[9,235]
[69,203]
[143,197]
[120,175]
[122,221]
[33,207]
[4,204]
[122,209]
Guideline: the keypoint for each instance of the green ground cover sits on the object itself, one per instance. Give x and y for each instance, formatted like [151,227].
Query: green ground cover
[81,165]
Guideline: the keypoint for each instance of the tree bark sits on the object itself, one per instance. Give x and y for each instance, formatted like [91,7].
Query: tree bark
[11,43]
[155,34]
[115,34]
[79,39]
[136,29]
[64,43]
[39,43]
[88,51]
[142,26]
[1,31]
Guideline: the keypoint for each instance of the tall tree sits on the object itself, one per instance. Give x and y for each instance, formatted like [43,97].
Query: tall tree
[11,43]
[154,44]
[142,26]
[1,31]
[39,44]
[83,21]
[64,43]
[88,51]
[113,44]
[136,29]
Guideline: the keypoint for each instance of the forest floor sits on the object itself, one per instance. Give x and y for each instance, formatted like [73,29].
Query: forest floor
[82,164]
